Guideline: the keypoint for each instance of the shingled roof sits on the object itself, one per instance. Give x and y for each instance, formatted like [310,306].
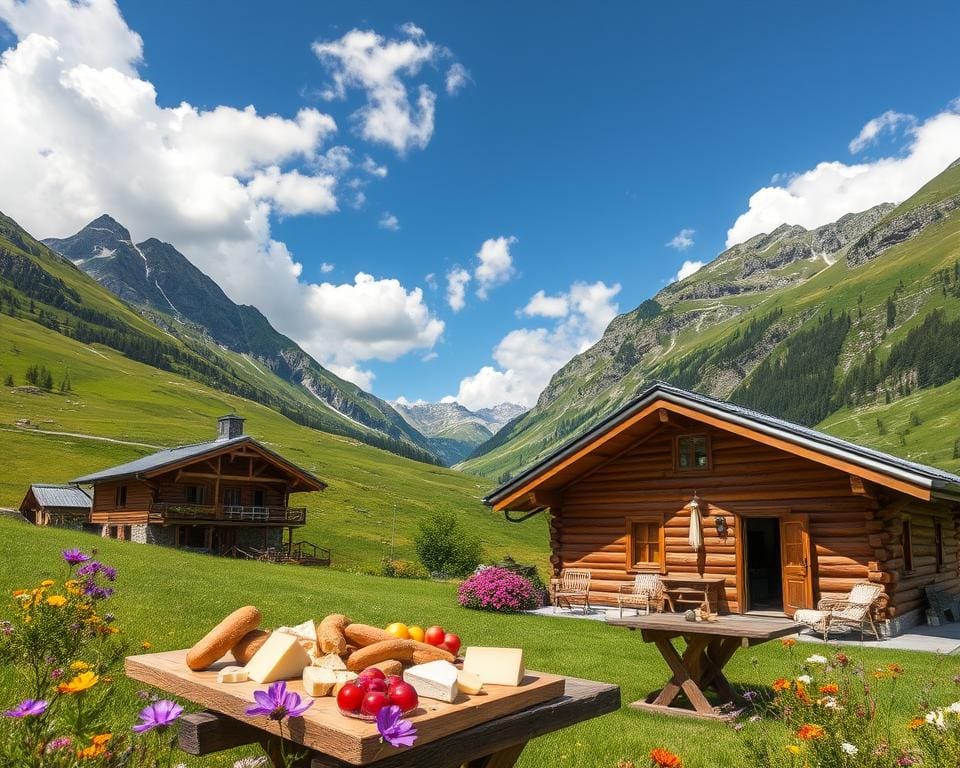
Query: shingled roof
[935,481]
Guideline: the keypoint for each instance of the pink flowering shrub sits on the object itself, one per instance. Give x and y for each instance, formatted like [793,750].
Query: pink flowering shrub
[498,589]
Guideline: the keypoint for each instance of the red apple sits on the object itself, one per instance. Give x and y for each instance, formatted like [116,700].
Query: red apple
[452,642]
[373,702]
[350,697]
[434,635]
[403,695]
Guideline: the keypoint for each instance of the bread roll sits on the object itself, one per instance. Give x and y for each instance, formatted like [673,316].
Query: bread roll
[249,644]
[223,637]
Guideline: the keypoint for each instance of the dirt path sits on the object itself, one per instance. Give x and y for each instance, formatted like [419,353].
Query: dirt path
[30,430]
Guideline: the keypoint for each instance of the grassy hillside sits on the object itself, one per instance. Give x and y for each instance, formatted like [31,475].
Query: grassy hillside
[781,325]
[155,584]
[114,397]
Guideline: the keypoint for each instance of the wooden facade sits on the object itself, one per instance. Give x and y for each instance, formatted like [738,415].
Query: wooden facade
[783,524]
[62,506]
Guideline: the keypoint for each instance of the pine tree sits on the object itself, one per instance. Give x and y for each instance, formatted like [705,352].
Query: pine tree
[8,381]
[65,385]
[891,312]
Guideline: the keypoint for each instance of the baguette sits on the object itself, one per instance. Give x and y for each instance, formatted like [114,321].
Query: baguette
[330,634]
[395,649]
[223,637]
[365,635]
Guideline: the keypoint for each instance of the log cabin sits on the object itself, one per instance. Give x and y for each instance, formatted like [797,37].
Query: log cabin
[61,506]
[789,514]
[224,496]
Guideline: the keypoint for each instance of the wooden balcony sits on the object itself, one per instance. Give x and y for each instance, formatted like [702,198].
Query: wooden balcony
[280,516]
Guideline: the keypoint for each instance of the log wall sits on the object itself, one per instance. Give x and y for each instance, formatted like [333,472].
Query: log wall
[139,498]
[852,537]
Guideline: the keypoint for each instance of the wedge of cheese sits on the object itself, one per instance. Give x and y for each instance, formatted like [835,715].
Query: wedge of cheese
[495,666]
[319,681]
[307,633]
[433,680]
[232,675]
[281,657]
[330,661]
[469,683]
[343,677]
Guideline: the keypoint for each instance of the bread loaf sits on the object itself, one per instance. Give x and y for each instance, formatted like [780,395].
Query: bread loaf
[365,635]
[390,666]
[223,637]
[395,649]
[330,634]
[249,644]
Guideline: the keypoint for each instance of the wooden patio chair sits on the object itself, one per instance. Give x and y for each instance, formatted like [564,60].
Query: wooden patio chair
[647,590]
[573,585]
[855,611]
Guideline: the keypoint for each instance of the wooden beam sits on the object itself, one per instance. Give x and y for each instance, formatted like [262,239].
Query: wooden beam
[547,498]
[231,478]
[859,487]
[664,415]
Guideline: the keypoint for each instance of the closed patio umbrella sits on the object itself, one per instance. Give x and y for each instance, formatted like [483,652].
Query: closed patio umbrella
[696,526]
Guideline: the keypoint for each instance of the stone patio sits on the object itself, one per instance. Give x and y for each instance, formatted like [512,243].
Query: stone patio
[944,639]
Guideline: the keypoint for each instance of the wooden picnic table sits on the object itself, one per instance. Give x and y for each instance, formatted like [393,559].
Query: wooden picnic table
[694,590]
[709,646]
[485,731]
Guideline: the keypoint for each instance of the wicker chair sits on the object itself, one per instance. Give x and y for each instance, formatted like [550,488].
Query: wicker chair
[572,586]
[646,591]
[855,611]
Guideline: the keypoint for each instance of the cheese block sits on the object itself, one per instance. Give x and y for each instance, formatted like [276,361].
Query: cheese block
[330,661]
[433,680]
[469,683]
[232,675]
[319,681]
[307,632]
[343,677]
[281,657]
[495,666]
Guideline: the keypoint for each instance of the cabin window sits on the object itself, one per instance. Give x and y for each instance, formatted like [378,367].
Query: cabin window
[231,497]
[693,452]
[906,538]
[938,544]
[258,498]
[121,496]
[645,546]
[194,494]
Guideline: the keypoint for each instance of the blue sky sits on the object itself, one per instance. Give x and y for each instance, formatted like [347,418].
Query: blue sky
[590,138]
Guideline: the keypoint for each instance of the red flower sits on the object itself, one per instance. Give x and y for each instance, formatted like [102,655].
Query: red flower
[781,684]
[810,731]
[830,688]
[664,758]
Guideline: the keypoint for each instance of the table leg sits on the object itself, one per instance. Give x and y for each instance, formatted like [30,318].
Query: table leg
[715,657]
[504,758]
[686,672]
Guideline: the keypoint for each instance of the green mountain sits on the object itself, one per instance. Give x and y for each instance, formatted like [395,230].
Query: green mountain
[842,326]
[240,351]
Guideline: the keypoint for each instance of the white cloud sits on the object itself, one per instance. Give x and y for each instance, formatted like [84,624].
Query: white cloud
[888,122]
[364,60]
[326,268]
[525,359]
[83,134]
[683,240]
[373,168]
[457,77]
[430,356]
[495,265]
[388,221]
[832,189]
[457,279]
[686,269]
[541,305]
[431,281]
[352,373]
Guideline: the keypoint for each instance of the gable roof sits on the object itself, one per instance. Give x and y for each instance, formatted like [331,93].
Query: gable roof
[156,463]
[64,496]
[586,452]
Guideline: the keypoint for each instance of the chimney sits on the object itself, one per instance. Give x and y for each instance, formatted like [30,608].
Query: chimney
[229,427]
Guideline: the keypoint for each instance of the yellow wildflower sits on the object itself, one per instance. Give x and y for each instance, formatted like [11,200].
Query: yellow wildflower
[793,749]
[146,645]
[19,592]
[79,666]
[57,601]
[79,684]
[917,722]
[47,583]
[98,746]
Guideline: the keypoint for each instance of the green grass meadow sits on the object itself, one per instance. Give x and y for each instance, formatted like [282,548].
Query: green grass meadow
[169,599]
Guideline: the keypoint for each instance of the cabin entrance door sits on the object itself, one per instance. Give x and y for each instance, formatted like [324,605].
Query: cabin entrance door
[795,555]
[762,571]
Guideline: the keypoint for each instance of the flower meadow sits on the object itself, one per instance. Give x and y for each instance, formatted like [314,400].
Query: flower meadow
[62,648]
[498,589]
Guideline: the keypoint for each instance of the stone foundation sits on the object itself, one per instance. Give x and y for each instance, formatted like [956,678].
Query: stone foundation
[900,624]
[252,538]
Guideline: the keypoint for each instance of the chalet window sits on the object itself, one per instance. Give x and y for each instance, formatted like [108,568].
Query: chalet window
[258,497]
[906,539]
[194,494]
[121,496]
[231,497]
[938,544]
[693,452]
[645,545]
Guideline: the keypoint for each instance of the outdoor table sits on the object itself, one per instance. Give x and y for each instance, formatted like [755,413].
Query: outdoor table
[694,590]
[486,731]
[709,646]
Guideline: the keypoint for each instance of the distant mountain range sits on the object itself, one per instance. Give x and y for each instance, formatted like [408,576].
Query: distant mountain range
[184,322]
[454,431]
[844,326]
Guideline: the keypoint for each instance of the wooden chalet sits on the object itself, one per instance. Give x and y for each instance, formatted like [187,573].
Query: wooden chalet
[62,506]
[789,514]
[226,496]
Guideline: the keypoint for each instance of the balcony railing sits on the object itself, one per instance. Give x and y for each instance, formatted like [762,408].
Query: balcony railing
[169,512]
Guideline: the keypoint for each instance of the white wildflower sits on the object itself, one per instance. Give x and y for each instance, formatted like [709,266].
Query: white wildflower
[816,659]
[805,679]
[955,708]
[849,748]
[935,718]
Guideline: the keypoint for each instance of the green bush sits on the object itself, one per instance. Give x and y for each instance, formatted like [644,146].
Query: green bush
[402,569]
[446,548]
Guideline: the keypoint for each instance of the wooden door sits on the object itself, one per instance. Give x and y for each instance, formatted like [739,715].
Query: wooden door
[796,563]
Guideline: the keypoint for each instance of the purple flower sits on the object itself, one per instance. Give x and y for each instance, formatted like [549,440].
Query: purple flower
[28,708]
[56,674]
[394,730]
[160,714]
[6,627]
[61,742]
[74,556]
[110,574]
[277,703]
